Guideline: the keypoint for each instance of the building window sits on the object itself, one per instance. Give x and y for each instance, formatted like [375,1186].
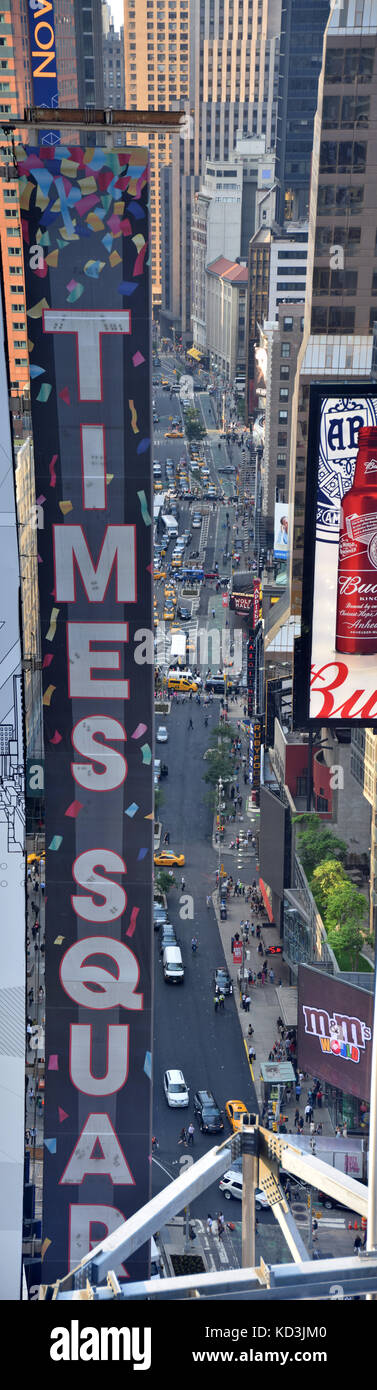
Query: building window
[283,417]
[285,348]
[284,373]
[282,439]
[283,393]
[287,325]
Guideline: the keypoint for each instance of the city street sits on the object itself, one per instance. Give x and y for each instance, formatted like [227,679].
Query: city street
[207,1046]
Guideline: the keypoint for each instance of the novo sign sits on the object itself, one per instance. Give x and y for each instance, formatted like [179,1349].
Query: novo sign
[43,59]
[91,423]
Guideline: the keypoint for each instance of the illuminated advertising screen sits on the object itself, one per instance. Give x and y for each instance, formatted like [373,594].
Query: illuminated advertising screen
[334,1039]
[340,557]
[85,229]
[241,603]
[281,530]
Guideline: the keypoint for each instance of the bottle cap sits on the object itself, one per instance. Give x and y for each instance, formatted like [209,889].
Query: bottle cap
[367,436]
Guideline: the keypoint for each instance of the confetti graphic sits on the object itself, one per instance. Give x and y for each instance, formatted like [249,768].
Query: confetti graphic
[144,508]
[52,628]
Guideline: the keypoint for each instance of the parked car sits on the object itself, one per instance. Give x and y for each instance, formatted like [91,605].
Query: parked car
[223,980]
[175,1088]
[207,1112]
[162,734]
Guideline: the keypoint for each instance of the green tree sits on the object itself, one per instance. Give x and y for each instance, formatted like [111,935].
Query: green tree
[316,843]
[327,876]
[163,882]
[194,427]
[345,913]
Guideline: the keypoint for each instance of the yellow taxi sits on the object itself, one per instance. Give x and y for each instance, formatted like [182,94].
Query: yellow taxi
[157,487]
[173,434]
[235,1110]
[178,681]
[166,859]
[169,613]
[159,574]
[164,381]
[176,564]
[169,591]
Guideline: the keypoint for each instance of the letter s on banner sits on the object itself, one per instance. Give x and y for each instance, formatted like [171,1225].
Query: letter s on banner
[110,991]
[113,764]
[84,873]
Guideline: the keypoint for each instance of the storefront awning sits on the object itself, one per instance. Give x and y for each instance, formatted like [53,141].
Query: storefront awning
[287,997]
[193,352]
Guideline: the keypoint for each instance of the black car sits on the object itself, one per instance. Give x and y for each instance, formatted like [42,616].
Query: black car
[223,980]
[183,613]
[207,1112]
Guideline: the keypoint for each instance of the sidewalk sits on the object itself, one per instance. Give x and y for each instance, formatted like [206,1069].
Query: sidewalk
[264,1007]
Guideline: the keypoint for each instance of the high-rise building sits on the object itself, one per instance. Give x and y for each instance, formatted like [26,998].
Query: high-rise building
[218,61]
[157,60]
[88,34]
[282,337]
[342,281]
[16,92]
[223,216]
[302,28]
[113,68]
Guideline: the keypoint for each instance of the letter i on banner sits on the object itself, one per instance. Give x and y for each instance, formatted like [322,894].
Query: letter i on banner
[86,211]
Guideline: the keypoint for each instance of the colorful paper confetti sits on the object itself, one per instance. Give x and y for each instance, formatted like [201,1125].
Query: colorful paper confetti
[56,738]
[74,809]
[53,1063]
[47,661]
[51,469]
[131,810]
[63,1115]
[44,393]
[56,842]
[50,1144]
[133,920]
[142,854]
[144,508]
[138,359]
[58,940]
[141,729]
[65,507]
[134,424]
[148,1065]
[48,695]
[52,628]
[146,752]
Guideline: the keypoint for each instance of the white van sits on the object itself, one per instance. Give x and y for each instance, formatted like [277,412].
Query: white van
[173,967]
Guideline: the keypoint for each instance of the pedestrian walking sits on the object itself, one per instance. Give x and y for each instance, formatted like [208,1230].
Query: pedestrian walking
[319,1099]
[221,1000]
[167,838]
[190,723]
[308,1112]
[190,1134]
[247,1003]
[154,1143]
[298,1090]
[220,1226]
[209,1224]
[297,1117]
[357,1245]
[272,976]
[183,1137]
[183,885]
[216,1002]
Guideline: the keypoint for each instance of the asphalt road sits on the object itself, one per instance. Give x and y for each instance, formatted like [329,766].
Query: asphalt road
[207,1046]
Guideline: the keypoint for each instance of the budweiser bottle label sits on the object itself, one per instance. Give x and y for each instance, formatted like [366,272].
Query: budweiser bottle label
[356,619]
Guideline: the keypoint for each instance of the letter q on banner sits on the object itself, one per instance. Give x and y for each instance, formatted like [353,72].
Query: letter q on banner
[95,987]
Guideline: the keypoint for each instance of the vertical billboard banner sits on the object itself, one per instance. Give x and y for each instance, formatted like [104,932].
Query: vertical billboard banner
[43,59]
[85,229]
[340,558]
[12,876]
[282,530]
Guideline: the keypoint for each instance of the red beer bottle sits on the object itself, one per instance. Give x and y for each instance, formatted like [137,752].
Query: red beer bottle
[356,617]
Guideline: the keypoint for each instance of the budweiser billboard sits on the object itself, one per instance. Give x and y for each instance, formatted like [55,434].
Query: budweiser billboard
[334,1037]
[339,660]
[85,229]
